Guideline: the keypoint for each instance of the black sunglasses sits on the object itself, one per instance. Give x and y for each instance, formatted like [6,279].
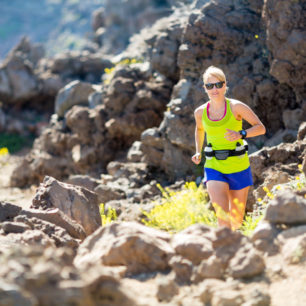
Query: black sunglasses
[210,86]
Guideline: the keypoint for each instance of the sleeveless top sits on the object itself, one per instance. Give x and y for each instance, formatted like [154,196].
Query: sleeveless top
[215,131]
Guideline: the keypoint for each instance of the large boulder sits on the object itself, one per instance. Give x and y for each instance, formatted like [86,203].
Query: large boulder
[75,93]
[77,203]
[287,208]
[137,247]
[81,65]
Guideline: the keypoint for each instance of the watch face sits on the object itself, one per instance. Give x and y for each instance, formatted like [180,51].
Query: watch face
[243,133]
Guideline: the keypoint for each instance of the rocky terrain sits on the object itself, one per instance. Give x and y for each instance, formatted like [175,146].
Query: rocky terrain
[109,124]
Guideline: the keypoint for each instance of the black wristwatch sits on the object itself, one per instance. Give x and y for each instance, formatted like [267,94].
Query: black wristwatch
[243,134]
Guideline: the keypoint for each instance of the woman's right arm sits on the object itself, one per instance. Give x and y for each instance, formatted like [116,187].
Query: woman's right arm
[198,135]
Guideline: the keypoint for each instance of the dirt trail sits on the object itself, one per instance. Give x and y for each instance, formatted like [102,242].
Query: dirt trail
[17,196]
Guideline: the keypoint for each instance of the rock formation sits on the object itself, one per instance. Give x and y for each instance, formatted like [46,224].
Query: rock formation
[117,125]
[129,263]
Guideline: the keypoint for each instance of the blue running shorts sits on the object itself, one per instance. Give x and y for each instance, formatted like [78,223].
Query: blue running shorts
[236,181]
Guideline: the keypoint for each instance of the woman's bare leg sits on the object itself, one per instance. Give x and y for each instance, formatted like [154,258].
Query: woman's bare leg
[219,193]
[237,199]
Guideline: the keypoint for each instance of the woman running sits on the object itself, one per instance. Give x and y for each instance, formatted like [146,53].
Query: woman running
[227,172]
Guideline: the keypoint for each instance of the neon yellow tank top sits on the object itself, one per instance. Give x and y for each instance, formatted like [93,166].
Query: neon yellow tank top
[215,132]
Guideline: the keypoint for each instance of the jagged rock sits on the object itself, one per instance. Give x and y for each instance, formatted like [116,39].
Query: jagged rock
[135,172]
[8,211]
[226,243]
[80,122]
[207,288]
[209,268]
[286,42]
[58,235]
[246,263]
[84,181]
[47,274]
[263,237]
[135,246]
[104,287]
[282,159]
[293,244]
[293,118]
[152,145]
[166,289]
[58,218]
[286,208]
[76,202]
[14,227]
[29,238]
[193,243]
[50,84]
[134,102]
[227,297]
[32,52]
[108,193]
[271,179]
[74,93]
[294,249]
[22,81]
[165,46]
[182,269]
[18,80]
[83,65]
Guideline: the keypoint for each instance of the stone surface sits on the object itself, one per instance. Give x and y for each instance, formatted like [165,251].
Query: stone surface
[58,218]
[8,211]
[74,93]
[138,248]
[76,202]
[246,263]
[287,208]
[193,244]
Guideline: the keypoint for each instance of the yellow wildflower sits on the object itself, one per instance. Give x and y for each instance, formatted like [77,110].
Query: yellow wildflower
[270,195]
[4,151]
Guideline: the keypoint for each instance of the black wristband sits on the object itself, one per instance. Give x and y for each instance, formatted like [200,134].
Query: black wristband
[243,134]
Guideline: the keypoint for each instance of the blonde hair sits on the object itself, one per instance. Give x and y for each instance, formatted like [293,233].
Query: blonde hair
[215,72]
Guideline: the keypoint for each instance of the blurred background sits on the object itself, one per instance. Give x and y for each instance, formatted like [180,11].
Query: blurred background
[59,24]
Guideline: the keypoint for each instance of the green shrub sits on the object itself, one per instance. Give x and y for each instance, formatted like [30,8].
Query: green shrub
[14,142]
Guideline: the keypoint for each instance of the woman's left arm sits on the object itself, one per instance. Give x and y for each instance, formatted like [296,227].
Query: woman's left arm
[242,111]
